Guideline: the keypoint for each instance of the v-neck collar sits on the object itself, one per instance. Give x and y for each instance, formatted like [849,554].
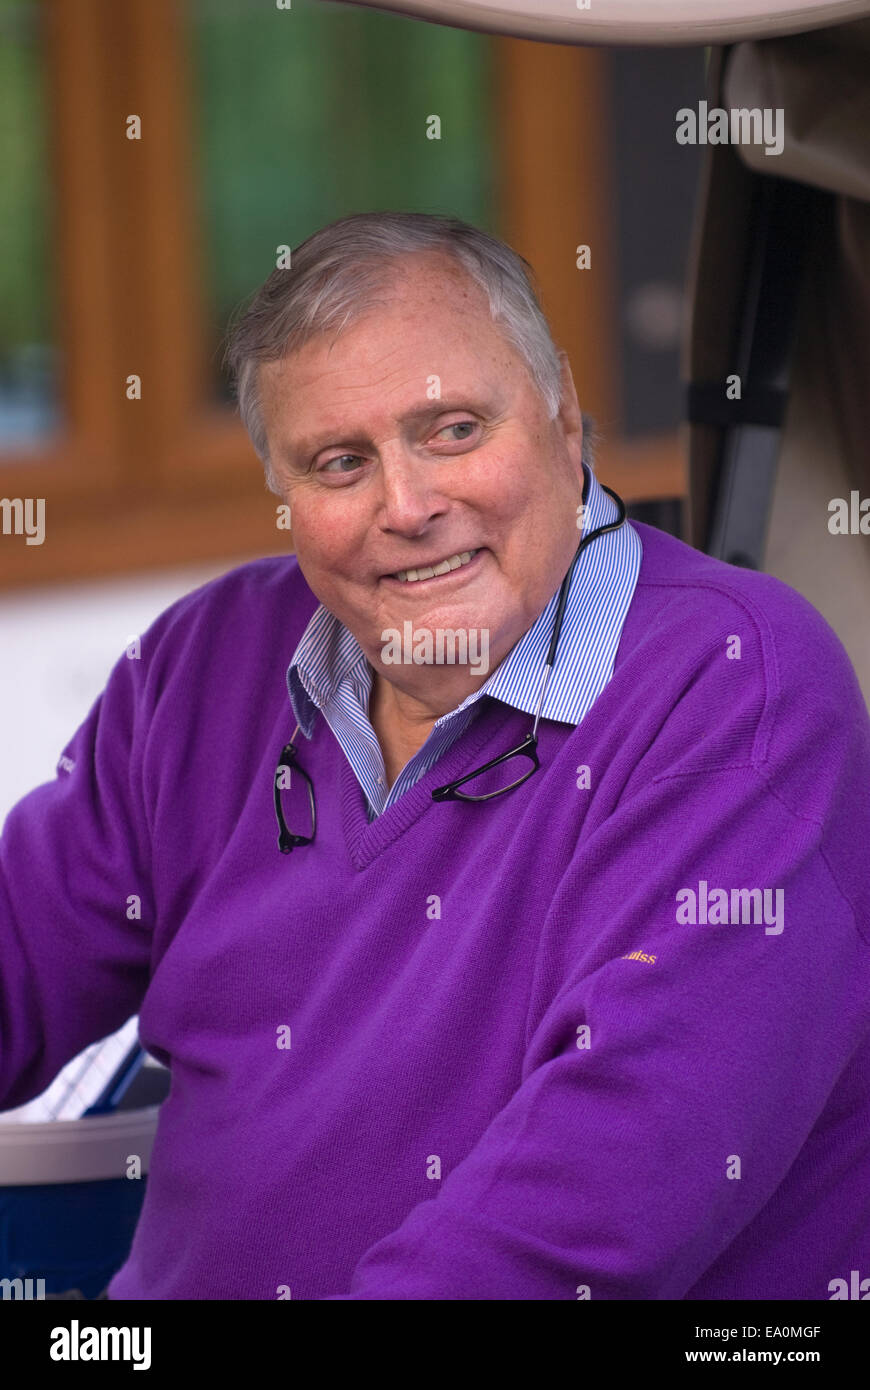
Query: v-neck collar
[367,839]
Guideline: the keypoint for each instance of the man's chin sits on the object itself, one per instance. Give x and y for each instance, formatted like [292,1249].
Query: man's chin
[451,635]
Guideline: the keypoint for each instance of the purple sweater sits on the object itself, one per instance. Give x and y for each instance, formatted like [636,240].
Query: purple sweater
[540,1048]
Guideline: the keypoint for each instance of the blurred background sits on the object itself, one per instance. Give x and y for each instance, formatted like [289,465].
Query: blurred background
[122,257]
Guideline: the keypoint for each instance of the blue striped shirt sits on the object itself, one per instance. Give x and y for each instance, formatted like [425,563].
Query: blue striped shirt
[329,671]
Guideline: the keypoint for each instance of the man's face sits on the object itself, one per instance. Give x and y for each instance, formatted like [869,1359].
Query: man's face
[383,476]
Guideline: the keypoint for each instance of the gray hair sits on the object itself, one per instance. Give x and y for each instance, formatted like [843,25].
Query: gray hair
[335,277]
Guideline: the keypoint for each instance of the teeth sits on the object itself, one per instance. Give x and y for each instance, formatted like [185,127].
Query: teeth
[455,562]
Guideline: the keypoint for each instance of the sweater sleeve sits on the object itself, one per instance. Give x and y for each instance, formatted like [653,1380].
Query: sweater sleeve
[75,897]
[673,1069]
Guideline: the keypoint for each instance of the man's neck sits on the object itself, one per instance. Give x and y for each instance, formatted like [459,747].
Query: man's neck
[402,725]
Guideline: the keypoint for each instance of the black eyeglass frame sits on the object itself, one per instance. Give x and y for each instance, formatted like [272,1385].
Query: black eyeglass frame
[289,761]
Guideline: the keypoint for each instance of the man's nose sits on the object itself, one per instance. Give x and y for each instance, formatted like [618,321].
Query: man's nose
[411,495]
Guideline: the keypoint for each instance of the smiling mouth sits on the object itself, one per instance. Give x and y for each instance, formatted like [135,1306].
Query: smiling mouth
[453,562]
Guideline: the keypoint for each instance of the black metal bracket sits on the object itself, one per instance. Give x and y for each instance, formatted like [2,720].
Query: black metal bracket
[783,215]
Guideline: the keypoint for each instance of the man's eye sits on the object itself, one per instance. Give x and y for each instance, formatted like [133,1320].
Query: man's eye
[459,425]
[340,459]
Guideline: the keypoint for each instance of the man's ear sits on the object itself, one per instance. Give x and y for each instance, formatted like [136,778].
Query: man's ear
[570,414]
[569,404]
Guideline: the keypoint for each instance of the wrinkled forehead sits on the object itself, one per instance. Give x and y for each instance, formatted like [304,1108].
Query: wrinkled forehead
[414,287]
[433,319]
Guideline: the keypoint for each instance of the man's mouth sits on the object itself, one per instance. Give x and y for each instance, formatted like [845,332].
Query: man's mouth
[451,562]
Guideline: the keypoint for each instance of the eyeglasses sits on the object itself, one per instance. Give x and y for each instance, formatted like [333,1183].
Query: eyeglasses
[492,772]
[287,768]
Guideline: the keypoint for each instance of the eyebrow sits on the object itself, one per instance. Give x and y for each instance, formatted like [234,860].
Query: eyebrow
[420,415]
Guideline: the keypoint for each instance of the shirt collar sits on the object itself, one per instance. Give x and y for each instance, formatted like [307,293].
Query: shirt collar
[601,591]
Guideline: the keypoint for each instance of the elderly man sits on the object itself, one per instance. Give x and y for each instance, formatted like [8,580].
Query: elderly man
[592,1023]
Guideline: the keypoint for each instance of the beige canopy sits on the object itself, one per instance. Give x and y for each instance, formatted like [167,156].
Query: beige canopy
[632,21]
